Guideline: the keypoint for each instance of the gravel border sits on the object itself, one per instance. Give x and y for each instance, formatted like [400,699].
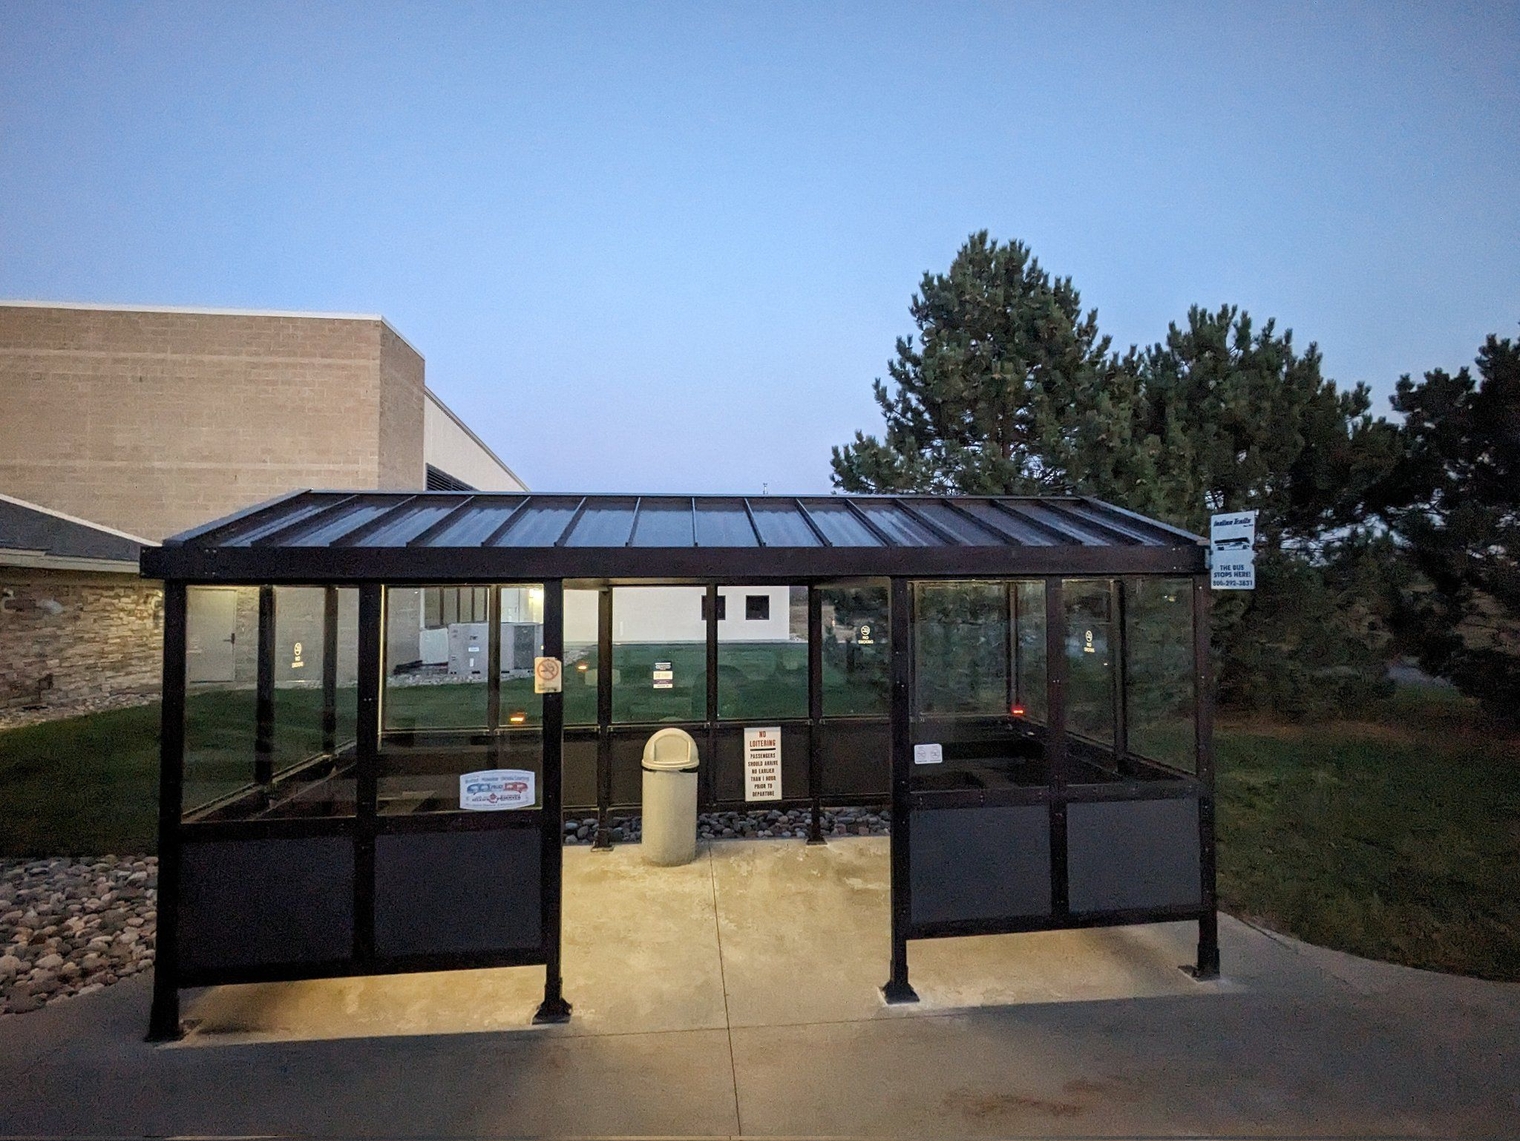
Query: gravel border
[72,926]
[756,824]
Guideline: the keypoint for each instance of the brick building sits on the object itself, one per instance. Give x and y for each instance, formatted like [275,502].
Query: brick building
[143,422]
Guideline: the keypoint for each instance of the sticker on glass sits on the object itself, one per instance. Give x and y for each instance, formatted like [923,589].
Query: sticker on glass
[492,790]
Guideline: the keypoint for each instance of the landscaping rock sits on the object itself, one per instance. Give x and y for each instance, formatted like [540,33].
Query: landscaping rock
[73,926]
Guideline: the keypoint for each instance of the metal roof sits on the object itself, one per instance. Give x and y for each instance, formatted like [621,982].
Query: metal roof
[33,535]
[334,536]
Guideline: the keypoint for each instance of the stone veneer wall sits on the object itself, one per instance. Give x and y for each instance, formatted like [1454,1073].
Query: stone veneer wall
[97,636]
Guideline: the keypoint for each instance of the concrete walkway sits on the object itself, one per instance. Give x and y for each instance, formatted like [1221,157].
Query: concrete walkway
[738,996]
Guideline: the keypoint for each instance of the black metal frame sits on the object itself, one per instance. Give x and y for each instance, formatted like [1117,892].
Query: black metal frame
[1129,546]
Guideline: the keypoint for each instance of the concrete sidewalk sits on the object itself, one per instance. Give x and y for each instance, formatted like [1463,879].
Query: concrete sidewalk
[738,996]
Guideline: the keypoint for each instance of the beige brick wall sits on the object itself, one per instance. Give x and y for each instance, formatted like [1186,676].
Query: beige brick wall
[400,414]
[68,638]
[153,422]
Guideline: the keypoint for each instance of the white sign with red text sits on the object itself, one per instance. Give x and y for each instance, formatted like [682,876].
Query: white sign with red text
[762,764]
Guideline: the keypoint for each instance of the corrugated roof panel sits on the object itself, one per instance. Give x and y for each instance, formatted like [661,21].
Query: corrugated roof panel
[901,527]
[1066,526]
[409,522]
[543,521]
[966,530]
[257,528]
[604,523]
[1136,529]
[841,526]
[1017,530]
[724,523]
[782,525]
[477,523]
[325,531]
[664,523]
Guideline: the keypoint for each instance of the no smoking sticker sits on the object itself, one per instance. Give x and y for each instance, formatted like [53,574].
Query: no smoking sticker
[546,675]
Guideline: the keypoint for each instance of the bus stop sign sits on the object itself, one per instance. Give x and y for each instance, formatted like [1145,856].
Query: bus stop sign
[1232,554]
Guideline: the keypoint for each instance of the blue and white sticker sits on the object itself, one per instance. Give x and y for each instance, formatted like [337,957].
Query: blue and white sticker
[493,790]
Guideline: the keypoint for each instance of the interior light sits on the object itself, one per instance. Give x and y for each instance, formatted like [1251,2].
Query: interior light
[581,666]
[518,718]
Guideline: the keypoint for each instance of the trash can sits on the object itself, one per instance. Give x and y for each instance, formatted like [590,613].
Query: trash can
[670,798]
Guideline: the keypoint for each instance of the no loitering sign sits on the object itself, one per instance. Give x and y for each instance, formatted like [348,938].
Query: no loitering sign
[762,764]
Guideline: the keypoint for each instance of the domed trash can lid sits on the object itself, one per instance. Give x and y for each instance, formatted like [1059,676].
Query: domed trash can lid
[670,751]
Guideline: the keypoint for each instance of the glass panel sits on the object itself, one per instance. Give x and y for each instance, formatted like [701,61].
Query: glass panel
[298,650]
[1029,650]
[781,524]
[841,527]
[762,652]
[857,650]
[435,678]
[659,654]
[227,775]
[1089,660]
[421,771]
[724,524]
[663,523]
[581,656]
[1159,676]
[900,525]
[221,671]
[961,655]
[522,640]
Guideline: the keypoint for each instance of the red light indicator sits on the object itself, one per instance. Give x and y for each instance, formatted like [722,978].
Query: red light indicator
[1017,710]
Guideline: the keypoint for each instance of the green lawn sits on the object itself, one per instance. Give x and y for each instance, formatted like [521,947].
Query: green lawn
[1398,839]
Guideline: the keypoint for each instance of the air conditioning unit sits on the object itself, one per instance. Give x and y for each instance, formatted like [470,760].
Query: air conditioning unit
[469,650]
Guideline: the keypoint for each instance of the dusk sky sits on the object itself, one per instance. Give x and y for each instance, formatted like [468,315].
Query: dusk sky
[667,248]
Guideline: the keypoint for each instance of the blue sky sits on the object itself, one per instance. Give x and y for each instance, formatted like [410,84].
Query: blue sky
[666,247]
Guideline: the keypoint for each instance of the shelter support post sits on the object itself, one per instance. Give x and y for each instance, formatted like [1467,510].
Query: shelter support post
[1056,753]
[897,988]
[493,661]
[1203,698]
[554,1008]
[263,760]
[163,1018]
[603,841]
[707,792]
[330,670]
[815,711]
[367,734]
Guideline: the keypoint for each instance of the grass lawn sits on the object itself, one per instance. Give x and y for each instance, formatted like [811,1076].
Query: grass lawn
[1397,839]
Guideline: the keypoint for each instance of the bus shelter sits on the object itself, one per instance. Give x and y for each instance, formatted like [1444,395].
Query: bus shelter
[380,709]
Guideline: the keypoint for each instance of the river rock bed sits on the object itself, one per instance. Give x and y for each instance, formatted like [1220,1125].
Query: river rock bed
[756,824]
[73,926]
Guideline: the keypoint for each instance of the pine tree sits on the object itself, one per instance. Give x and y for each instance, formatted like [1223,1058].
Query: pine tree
[1001,390]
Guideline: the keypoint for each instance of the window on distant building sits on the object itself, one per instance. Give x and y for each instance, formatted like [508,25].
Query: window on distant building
[722,609]
[757,607]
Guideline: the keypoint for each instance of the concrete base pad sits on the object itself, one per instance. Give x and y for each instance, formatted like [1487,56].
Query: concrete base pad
[740,994]
[749,934]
